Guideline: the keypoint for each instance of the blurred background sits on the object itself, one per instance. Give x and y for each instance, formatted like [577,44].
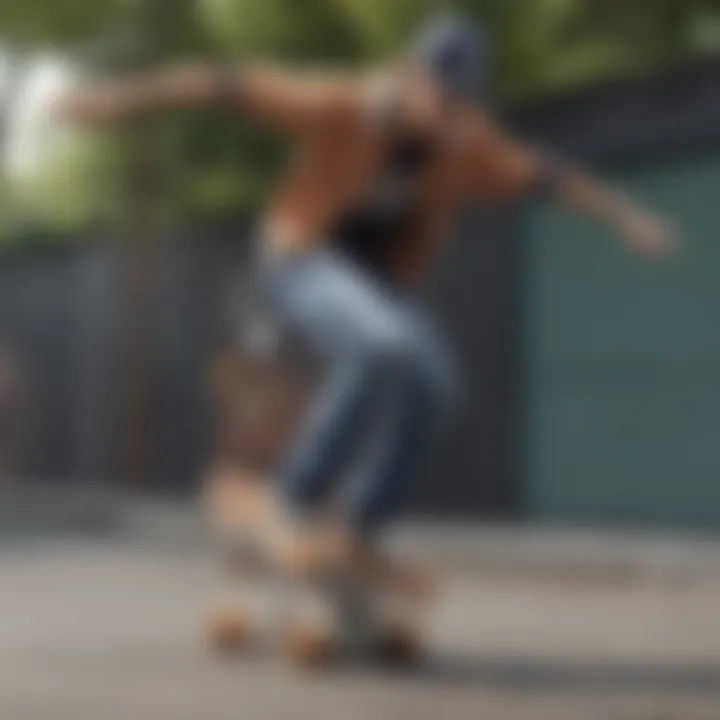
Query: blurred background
[594,381]
[593,395]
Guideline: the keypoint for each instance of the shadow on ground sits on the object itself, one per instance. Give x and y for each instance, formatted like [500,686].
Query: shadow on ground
[555,677]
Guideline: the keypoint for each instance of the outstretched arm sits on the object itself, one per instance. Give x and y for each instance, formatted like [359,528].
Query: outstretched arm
[503,167]
[642,230]
[284,100]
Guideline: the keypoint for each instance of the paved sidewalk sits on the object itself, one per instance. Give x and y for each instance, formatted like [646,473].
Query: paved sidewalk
[101,607]
[110,629]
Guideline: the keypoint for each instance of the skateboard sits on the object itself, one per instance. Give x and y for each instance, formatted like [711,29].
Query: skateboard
[325,608]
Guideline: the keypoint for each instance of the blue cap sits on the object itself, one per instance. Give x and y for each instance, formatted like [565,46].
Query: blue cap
[456,53]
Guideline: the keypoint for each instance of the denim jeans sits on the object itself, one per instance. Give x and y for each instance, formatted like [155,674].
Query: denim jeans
[388,392]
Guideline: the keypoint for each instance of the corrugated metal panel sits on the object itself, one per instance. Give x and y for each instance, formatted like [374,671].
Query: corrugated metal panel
[623,362]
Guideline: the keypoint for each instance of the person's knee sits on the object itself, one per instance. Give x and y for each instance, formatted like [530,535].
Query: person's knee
[390,351]
[406,357]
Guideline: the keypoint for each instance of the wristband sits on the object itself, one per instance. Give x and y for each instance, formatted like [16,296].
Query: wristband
[550,174]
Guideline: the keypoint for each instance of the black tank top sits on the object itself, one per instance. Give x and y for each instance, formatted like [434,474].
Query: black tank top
[370,230]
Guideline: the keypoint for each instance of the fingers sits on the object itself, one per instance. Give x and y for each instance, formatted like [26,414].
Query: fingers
[654,237]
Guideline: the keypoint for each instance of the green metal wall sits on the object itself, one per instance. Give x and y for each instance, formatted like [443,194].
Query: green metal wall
[622,362]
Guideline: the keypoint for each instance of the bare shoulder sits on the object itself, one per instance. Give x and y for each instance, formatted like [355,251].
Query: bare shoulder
[486,160]
[474,131]
[462,140]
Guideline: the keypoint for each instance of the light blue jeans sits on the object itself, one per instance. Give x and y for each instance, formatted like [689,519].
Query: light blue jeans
[389,389]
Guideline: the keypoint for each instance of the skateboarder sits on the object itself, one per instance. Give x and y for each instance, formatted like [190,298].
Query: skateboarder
[383,162]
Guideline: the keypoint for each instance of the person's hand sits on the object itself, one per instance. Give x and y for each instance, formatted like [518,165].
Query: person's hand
[95,105]
[649,235]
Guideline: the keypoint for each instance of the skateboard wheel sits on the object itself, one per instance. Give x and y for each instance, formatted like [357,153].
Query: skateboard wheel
[308,647]
[399,646]
[228,631]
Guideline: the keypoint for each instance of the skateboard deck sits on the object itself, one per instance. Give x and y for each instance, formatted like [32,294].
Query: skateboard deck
[324,611]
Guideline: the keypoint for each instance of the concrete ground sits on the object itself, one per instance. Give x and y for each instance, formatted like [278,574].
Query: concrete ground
[108,627]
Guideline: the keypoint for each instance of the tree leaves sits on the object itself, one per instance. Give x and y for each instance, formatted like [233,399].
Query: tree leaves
[213,164]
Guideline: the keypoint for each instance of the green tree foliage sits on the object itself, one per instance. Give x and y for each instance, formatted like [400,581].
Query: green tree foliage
[77,183]
[214,164]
